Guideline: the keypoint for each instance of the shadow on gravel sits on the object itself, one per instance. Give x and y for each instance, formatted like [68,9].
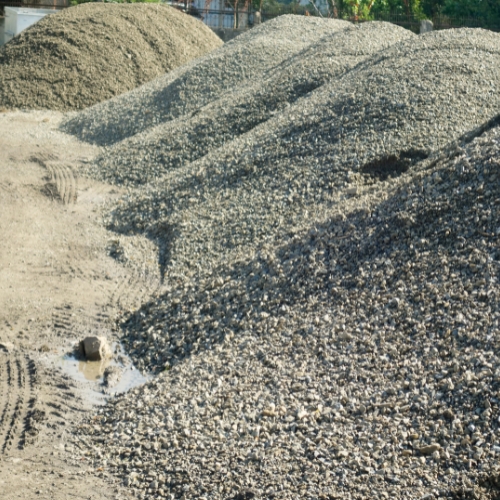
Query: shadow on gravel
[486,489]
[329,265]
[247,495]
[393,165]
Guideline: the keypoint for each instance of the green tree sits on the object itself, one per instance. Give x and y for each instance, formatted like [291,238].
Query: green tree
[355,10]
[489,10]
[407,7]
[431,8]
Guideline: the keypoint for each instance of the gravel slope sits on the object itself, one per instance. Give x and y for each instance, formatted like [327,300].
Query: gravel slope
[356,359]
[144,157]
[329,326]
[245,58]
[89,53]
[335,141]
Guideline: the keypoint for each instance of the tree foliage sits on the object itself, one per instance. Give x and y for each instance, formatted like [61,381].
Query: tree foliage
[357,9]
[485,9]
[489,10]
[407,7]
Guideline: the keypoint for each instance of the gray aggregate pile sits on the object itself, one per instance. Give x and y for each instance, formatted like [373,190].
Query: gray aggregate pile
[146,156]
[358,358]
[329,323]
[369,125]
[194,85]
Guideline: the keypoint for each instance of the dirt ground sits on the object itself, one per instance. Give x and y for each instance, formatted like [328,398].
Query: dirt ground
[57,283]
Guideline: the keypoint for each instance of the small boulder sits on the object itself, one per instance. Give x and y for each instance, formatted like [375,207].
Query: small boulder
[95,348]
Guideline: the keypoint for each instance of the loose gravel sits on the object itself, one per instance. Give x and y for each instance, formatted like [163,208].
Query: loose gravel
[148,155]
[92,52]
[357,359]
[329,324]
[184,91]
[331,144]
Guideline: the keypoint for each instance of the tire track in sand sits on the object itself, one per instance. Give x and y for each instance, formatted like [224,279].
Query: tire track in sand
[132,291]
[17,398]
[63,177]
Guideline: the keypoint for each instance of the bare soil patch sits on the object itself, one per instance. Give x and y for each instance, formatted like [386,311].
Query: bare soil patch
[57,282]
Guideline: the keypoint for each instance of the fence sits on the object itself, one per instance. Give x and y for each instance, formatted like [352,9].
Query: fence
[440,22]
[244,17]
[224,19]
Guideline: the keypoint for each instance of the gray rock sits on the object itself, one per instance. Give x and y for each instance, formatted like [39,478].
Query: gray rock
[95,348]
[426,26]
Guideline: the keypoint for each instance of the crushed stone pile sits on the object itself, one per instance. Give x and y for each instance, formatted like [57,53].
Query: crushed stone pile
[329,323]
[146,156]
[335,142]
[358,358]
[183,92]
[90,53]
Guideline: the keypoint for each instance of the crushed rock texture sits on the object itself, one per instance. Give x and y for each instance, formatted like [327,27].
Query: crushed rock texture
[328,326]
[357,358]
[148,155]
[305,160]
[182,92]
[92,52]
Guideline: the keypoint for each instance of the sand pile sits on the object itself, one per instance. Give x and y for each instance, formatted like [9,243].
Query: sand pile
[87,54]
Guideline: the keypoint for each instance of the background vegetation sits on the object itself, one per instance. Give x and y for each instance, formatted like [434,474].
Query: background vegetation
[483,12]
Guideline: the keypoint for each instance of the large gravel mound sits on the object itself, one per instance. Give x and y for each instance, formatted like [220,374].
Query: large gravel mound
[93,52]
[358,358]
[329,323]
[370,125]
[146,156]
[244,59]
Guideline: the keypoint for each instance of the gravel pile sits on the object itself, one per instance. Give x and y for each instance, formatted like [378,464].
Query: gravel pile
[183,92]
[335,142]
[146,156]
[359,358]
[90,53]
[329,327]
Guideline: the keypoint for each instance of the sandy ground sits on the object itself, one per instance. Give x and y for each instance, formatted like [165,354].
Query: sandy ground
[57,283]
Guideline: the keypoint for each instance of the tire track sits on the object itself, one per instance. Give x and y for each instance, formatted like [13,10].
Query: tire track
[5,395]
[63,179]
[17,399]
[39,158]
[71,322]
